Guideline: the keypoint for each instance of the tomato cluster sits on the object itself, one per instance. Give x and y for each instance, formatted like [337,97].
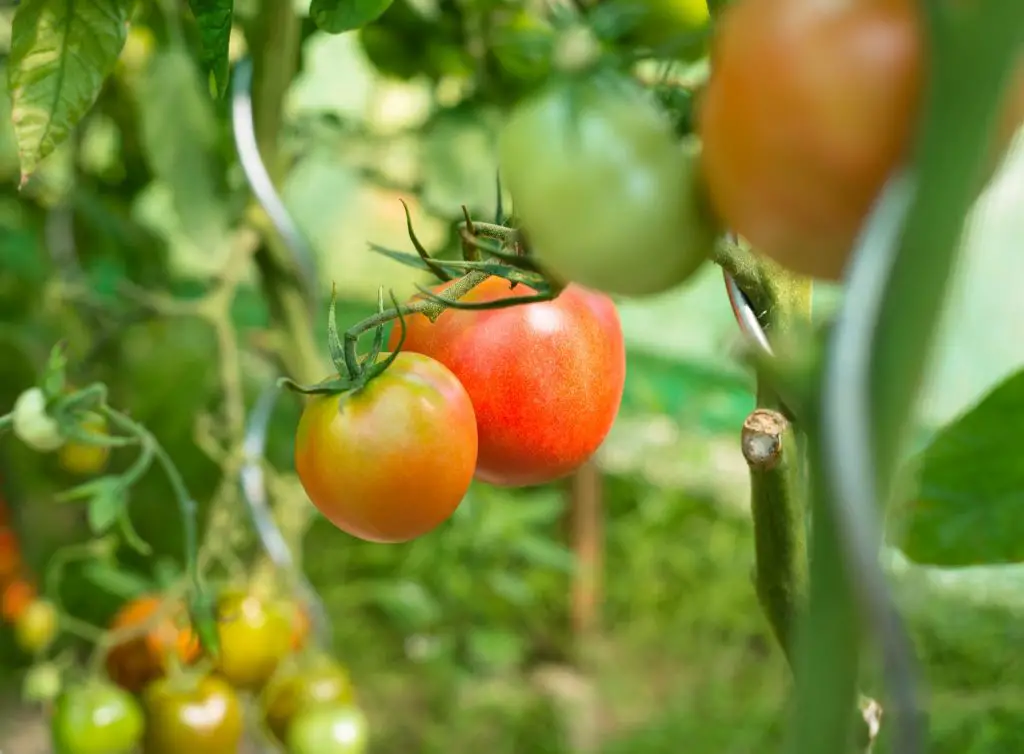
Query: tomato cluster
[164,697]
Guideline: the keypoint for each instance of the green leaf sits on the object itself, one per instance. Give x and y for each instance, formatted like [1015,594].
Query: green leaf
[107,504]
[179,139]
[969,508]
[337,16]
[61,52]
[214,19]
[117,581]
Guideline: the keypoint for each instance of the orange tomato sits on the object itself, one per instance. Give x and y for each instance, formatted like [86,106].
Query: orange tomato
[136,662]
[18,595]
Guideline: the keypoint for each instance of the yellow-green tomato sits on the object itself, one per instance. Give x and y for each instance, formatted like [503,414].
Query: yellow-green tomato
[605,193]
[300,686]
[329,729]
[95,718]
[671,25]
[36,627]
[192,716]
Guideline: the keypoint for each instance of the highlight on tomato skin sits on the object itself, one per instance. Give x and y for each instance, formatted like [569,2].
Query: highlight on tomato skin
[391,461]
[546,378]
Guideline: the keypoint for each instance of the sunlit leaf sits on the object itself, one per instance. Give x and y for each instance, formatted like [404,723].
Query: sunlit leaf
[61,52]
[214,19]
[337,16]
[969,506]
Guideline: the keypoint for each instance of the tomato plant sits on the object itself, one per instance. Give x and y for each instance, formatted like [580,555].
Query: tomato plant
[328,729]
[255,635]
[526,369]
[136,662]
[195,715]
[85,458]
[306,683]
[810,107]
[391,461]
[95,718]
[605,193]
[36,627]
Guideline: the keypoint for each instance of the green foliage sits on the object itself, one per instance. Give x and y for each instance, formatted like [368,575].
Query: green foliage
[970,496]
[214,20]
[61,52]
[337,16]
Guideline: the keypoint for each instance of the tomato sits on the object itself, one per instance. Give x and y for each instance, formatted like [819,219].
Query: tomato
[32,425]
[192,716]
[329,729]
[10,557]
[546,378]
[84,458]
[95,718]
[254,637]
[304,684]
[43,682]
[301,627]
[36,627]
[393,460]
[605,193]
[135,663]
[18,595]
[810,106]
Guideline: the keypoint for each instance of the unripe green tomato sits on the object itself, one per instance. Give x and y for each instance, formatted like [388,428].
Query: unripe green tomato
[300,686]
[42,683]
[673,25]
[521,43]
[605,193]
[32,425]
[96,718]
[329,729]
[390,52]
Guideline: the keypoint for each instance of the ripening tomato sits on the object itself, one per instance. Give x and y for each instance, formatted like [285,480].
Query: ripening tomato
[18,595]
[254,637]
[84,458]
[546,378]
[605,193]
[36,627]
[810,107]
[305,683]
[10,557]
[137,662]
[393,460]
[95,718]
[329,729]
[192,716]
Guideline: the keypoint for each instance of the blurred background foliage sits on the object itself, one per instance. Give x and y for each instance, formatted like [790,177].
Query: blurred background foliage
[462,640]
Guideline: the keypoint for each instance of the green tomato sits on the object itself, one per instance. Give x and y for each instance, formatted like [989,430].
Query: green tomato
[96,718]
[309,682]
[673,25]
[328,729]
[604,192]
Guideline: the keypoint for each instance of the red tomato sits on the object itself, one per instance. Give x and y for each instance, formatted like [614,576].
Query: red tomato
[546,379]
[391,461]
[810,106]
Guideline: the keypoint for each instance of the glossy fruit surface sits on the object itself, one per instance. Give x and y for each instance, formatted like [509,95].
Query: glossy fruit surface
[329,729]
[36,627]
[95,718]
[84,458]
[135,663]
[393,460]
[255,636]
[605,193]
[546,378]
[200,716]
[811,105]
[301,686]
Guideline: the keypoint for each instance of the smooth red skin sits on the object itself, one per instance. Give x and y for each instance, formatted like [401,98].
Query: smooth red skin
[546,379]
[810,106]
[393,460]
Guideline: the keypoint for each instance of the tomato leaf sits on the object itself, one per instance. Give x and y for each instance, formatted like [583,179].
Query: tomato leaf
[337,16]
[969,507]
[107,504]
[214,19]
[179,138]
[117,581]
[61,52]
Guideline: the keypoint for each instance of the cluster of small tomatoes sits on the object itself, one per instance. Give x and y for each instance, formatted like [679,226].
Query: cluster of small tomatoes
[161,695]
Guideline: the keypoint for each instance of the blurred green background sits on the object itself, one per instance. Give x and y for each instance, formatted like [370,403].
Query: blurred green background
[464,640]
